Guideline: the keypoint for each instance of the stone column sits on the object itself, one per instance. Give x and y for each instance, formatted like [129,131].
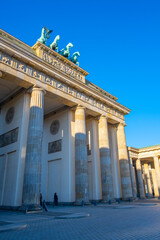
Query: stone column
[140,179]
[81,163]
[105,160]
[157,171]
[155,185]
[114,161]
[32,174]
[97,185]
[124,164]
[134,173]
[132,177]
[148,180]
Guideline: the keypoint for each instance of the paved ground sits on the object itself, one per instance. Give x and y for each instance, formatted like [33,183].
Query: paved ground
[135,220]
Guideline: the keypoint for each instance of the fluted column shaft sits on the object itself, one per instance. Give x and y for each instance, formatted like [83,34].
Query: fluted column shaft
[148,179]
[97,185]
[105,160]
[132,178]
[81,163]
[157,172]
[32,175]
[124,164]
[140,179]
[155,185]
[134,173]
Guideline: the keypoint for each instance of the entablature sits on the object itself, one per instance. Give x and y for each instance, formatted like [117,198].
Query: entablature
[33,66]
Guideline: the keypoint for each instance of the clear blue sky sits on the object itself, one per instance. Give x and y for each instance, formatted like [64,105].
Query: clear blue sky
[119,43]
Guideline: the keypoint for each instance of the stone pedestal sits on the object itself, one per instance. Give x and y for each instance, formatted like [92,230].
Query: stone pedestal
[140,179]
[81,163]
[132,178]
[32,174]
[147,179]
[157,172]
[105,160]
[155,185]
[124,164]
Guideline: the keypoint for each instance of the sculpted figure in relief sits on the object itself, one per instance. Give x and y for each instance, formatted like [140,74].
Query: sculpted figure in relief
[54,44]
[44,35]
[75,57]
[66,51]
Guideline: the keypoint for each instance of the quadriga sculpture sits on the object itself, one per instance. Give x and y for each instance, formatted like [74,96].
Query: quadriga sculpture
[45,34]
[75,57]
[66,51]
[54,44]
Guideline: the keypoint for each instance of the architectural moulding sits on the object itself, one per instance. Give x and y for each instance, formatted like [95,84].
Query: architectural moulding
[40,76]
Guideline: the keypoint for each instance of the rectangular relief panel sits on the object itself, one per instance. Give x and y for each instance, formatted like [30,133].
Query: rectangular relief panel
[9,137]
[55,146]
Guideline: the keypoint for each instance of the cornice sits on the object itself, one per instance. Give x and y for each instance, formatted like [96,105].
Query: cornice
[145,149]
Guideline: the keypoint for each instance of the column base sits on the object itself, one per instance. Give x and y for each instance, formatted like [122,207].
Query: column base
[142,197]
[112,200]
[30,208]
[81,203]
[128,199]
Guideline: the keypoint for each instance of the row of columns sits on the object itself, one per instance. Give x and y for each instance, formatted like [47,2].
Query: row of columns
[144,179]
[105,159]
[32,175]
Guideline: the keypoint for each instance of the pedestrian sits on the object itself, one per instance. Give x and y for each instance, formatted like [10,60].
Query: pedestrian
[40,199]
[153,192]
[55,199]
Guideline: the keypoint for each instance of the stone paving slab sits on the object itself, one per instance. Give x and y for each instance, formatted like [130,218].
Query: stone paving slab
[103,223]
[73,216]
[11,227]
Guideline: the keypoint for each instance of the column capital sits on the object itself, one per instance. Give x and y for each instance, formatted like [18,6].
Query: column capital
[122,124]
[74,108]
[102,117]
[36,88]
[80,106]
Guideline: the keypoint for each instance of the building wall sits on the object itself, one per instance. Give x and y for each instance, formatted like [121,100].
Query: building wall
[58,168]
[12,156]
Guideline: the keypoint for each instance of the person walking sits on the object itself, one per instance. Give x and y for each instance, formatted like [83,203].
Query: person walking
[55,199]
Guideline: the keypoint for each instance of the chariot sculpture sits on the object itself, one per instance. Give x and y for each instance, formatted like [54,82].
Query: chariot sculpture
[65,52]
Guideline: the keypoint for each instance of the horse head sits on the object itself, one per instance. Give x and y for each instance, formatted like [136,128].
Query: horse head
[57,38]
[69,45]
[77,54]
